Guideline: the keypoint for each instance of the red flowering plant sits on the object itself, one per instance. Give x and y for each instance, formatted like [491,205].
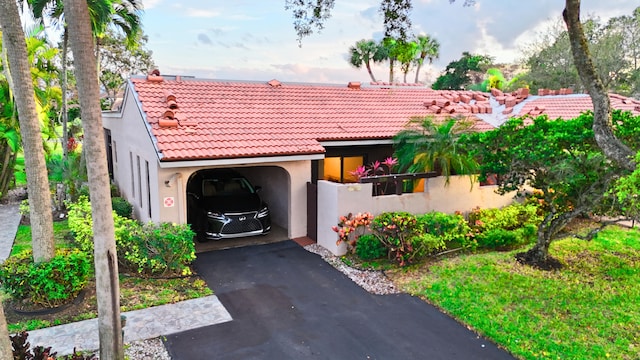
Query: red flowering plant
[351,227]
[376,168]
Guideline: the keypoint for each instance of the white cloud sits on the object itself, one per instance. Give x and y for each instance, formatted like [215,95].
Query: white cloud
[201,13]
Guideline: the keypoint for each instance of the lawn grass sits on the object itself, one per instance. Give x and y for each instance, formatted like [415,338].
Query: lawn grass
[61,235]
[588,310]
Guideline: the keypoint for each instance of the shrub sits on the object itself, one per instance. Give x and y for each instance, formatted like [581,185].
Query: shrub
[152,249]
[399,233]
[521,220]
[452,228]
[81,223]
[160,249]
[351,227]
[121,206]
[50,283]
[369,247]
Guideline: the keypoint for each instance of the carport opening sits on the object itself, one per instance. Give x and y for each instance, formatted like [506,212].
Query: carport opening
[273,187]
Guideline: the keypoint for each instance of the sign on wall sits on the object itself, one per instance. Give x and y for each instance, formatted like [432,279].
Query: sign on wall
[169,202]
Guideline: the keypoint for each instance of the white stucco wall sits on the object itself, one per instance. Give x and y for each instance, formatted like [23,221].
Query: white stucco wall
[131,140]
[335,200]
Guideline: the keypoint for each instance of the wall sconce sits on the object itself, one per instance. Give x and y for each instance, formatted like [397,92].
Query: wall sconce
[172,179]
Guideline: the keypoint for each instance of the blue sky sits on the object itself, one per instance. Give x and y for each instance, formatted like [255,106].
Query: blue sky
[255,40]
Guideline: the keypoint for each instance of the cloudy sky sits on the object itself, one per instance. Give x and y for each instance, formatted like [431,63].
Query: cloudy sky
[255,39]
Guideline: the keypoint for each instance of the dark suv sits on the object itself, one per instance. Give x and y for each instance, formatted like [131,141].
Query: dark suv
[225,205]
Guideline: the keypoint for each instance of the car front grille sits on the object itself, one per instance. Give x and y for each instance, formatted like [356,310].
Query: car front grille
[241,223]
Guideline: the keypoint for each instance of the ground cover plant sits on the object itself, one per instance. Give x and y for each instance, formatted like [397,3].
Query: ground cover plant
[585,310]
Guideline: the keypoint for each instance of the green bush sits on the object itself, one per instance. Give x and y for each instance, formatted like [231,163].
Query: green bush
[81,223]
[121,206]
[453,229]
[160,249]
[369,247]
[521,220]
[403,237]
[49,284]
[152,249]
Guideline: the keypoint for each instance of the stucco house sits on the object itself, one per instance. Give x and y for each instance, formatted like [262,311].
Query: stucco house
[282,136]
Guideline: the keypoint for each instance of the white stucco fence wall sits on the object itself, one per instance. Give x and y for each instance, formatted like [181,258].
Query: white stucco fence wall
[335,200]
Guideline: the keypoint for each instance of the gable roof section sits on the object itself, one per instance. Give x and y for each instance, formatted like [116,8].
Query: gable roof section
[195,119]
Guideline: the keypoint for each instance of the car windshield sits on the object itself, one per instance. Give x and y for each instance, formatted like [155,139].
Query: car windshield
[226,187]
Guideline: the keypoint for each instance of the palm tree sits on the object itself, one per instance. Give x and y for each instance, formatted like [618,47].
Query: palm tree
[429,146]
[6,352]
[363,52]
[37,181]
[106,266]
[124,15]
[429,49]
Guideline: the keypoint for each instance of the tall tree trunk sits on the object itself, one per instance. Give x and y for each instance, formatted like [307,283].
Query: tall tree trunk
[106,266]
[65,111]
[6,352]
[37,181]
[418,71]
[612,147]
[6,168]
[368,65]
[391,64]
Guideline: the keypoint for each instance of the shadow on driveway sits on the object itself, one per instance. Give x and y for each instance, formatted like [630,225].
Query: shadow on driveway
[288,303]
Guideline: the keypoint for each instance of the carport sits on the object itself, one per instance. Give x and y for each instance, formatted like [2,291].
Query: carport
[275,190]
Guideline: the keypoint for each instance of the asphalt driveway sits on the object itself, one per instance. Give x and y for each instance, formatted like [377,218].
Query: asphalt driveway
[287,303]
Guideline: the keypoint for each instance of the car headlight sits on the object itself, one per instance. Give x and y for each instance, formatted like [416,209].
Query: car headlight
[264,212]
[215,215]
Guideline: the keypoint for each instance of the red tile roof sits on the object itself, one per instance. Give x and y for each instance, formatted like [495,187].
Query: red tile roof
[220,119]
[570,106]
[211,119]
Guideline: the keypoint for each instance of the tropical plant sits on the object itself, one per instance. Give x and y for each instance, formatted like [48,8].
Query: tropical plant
[403,237]
[363,53]
[429,48]
[351,227]
[49,283]
[426,145]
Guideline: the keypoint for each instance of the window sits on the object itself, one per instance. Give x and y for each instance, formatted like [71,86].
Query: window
[139,182]
[133,179]
[339,168]
[146,164]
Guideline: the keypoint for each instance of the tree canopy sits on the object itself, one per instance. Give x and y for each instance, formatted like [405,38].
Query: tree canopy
[562,161]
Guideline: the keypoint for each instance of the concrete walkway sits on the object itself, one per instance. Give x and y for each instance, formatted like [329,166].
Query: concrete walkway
[140,325]
[9,221]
